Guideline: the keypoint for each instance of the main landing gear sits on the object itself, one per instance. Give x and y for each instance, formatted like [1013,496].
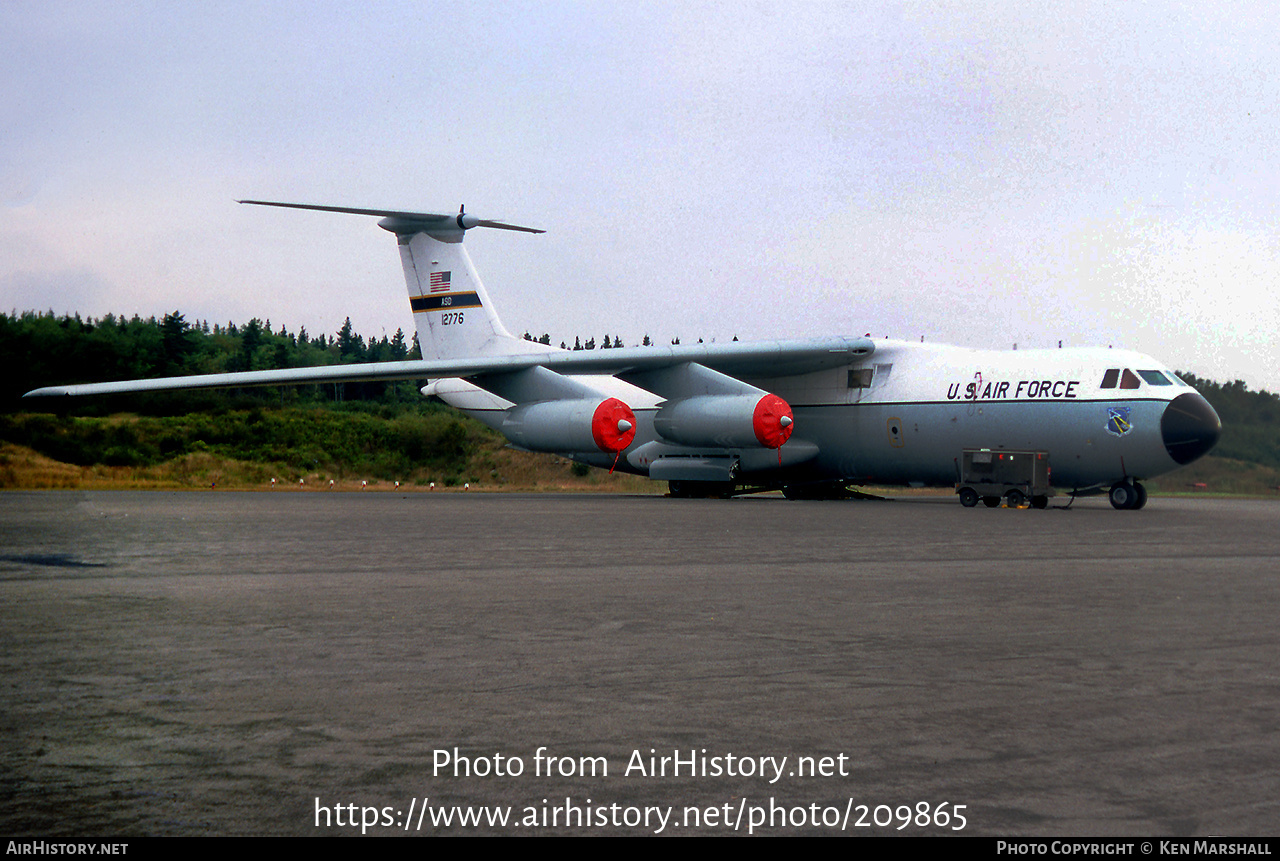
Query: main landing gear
[1128,496]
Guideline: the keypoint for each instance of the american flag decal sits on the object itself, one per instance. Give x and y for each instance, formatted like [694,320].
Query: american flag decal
[439,281]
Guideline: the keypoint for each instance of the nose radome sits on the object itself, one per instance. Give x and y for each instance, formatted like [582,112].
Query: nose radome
[1189,427]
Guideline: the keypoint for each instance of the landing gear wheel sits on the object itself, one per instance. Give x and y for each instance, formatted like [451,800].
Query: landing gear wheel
[1142,496]
[1040,502]
[1124,496]
[677,490]
[968,497]
[1015,499]
[991,501]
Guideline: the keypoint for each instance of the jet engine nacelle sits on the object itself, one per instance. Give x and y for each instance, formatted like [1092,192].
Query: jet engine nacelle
[726,421]
[571,426]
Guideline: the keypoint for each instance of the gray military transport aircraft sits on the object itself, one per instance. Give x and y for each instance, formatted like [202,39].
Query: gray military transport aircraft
[808,417]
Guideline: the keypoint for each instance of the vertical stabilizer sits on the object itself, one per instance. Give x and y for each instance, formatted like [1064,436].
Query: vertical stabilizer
[451,309]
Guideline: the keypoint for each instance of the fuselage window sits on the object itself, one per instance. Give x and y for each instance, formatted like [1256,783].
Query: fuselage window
[1155,378]
[1110,377]
[860,378]
[1128,380]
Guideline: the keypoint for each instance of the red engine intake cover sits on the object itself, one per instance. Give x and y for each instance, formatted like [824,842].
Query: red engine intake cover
[604,425]
[767,421]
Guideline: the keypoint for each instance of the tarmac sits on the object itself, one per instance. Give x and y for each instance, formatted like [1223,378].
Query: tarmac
[311,663]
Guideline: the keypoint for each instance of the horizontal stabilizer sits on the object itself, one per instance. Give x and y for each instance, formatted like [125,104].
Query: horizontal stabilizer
[408,222]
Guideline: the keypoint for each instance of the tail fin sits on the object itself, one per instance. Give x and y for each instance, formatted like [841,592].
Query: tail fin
[451,308]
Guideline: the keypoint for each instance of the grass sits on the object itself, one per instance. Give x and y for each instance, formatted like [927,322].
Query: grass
[22,468]
[1219,476]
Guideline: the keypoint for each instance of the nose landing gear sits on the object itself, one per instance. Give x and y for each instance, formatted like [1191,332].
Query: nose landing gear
[1128,496]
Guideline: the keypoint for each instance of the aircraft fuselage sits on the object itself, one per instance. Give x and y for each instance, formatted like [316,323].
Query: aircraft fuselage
[905,414]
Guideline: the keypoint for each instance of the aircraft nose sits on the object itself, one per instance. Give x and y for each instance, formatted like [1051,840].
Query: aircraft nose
[1189,427]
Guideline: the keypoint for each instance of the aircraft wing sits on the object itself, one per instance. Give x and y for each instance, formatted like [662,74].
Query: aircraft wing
[735,359]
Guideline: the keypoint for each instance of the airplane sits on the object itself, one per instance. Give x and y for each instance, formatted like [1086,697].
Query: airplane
[809,417]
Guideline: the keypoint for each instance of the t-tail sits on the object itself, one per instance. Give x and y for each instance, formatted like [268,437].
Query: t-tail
[451,309]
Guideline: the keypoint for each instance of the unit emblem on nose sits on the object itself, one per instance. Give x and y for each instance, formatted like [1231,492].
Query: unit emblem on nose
[1118,421]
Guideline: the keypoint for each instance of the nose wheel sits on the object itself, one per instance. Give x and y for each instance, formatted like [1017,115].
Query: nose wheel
[1128,496]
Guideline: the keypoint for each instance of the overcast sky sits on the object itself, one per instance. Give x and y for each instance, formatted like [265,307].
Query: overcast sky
[975,173]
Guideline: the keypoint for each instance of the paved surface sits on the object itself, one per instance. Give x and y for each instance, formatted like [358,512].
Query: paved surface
[214,663]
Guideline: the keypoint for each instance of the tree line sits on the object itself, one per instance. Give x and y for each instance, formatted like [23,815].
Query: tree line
[43,349]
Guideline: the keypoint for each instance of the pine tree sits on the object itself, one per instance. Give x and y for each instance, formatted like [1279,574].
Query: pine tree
[350,345]
[398,349]
[178,339]
[250,341]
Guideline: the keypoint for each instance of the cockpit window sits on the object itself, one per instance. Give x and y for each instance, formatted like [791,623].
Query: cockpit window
[1155,378]
[1128,380]
[1110,377]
